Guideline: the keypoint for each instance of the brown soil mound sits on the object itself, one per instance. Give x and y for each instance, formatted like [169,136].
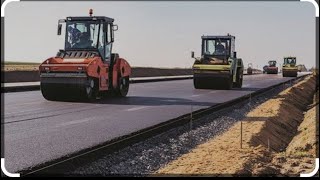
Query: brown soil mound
[302,145]
[288,107]
[299,156]
[267,130]
[279,130]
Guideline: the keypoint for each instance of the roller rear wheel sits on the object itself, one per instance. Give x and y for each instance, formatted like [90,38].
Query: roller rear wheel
[90,90]
[123,87]
[238,83]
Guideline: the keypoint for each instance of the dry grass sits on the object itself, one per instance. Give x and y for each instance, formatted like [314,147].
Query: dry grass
[20,66]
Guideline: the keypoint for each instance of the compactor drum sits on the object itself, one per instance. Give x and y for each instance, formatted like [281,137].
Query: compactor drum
[218,67]
[86,68]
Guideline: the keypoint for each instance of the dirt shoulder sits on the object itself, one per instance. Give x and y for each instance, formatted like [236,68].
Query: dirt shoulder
[299,156]
[271,129]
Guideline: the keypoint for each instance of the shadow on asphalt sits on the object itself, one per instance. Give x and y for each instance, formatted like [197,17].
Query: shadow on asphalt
[151,101]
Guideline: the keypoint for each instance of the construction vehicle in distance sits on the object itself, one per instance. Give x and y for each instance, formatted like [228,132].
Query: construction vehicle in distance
[289,68]
[249,69]
[218,67]
[272,67]
[302,68]
[86,68]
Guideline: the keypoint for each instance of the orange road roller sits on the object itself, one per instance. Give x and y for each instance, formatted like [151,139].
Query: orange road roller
[86,68]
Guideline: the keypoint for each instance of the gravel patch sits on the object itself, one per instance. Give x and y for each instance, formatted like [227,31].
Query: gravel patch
[143,158]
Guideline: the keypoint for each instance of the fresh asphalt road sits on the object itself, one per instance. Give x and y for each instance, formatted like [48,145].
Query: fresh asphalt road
[37,130]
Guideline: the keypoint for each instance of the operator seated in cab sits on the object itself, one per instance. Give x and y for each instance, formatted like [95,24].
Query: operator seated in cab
[220,49]
[78,39]
[216,52]
[73,34]
[84,41]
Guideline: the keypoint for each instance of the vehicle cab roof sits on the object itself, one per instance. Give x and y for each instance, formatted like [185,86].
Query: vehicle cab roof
[218,37]
[88,18]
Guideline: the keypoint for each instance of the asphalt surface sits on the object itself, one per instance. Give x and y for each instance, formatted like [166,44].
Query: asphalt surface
[148,156]
[37,131]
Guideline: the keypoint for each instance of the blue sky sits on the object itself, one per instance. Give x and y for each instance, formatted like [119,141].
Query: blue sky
[162,34]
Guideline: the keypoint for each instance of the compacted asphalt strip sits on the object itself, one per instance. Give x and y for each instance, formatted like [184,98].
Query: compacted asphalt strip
[38,131]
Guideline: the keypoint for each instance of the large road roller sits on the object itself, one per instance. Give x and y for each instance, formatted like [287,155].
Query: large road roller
[86,68]
[218,67]
[272,67]
[289,68]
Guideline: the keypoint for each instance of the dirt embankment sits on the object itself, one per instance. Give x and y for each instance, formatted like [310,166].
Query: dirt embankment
[33,75]
[267,132]
[300,154]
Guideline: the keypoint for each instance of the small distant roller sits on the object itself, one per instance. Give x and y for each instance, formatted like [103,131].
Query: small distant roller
[86,68]
[272,67]
[289,68]
[249,69]
[218,67]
